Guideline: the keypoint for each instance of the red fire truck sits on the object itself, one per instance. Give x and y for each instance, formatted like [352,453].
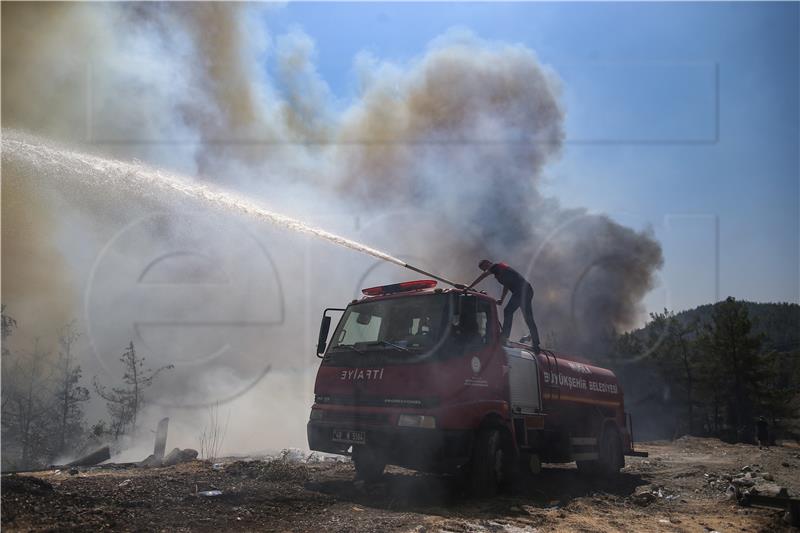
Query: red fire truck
[419,377]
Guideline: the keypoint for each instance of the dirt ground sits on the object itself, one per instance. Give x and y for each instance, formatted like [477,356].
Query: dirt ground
[680,487]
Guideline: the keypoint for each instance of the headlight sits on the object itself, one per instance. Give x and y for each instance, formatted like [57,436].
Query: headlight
[417,421]
[316,414]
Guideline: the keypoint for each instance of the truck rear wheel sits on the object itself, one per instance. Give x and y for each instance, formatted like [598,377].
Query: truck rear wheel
[490,466]
[609,451]
[369,465]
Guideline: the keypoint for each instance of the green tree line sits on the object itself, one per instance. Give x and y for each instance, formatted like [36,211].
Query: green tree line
[714,371]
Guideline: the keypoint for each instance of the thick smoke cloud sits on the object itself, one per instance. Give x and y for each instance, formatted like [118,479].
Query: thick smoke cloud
[438,159]
[466,132]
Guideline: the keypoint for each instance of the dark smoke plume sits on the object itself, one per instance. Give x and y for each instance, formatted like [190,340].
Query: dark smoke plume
[465,133]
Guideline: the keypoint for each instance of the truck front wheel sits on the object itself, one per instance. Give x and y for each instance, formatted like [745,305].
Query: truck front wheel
[369,465]
[490,460]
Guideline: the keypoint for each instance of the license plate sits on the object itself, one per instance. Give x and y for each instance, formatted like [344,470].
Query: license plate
[346,435]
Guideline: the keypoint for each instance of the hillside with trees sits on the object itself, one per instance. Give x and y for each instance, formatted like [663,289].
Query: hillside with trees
[713,371]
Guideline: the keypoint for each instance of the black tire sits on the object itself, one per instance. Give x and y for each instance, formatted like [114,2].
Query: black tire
[587,468]
[610,459]
[369,465]
[491,463]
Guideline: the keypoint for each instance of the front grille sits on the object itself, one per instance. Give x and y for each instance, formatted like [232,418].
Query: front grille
[377,401]
[345,417]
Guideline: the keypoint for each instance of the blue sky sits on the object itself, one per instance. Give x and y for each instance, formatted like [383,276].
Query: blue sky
[682,117]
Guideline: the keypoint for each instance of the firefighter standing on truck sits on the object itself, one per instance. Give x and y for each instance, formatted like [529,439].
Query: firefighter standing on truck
[521,296]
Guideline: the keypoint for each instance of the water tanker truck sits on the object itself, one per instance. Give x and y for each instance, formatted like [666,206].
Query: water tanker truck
[420,377]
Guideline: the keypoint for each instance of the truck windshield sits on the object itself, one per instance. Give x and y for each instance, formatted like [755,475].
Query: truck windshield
[403,325]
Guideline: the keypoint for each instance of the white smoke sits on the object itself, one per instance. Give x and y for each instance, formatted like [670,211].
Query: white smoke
[437,161]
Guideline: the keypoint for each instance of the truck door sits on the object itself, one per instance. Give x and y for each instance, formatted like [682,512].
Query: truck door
[523,378]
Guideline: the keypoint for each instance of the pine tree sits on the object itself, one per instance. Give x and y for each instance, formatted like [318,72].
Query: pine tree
[125,402]
[779,400]
[69,394]
[735,371]
[8,327]
[27,420]
[674,350]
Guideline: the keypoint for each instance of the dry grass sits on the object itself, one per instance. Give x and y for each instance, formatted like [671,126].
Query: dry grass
[213,435]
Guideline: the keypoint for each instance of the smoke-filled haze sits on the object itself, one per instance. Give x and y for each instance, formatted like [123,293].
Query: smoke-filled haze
[438,161]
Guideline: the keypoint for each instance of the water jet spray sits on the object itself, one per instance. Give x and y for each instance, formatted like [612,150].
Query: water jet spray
[64,161]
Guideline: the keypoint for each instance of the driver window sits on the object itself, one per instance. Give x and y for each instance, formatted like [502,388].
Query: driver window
[483,315]
[473,321]
[360,327]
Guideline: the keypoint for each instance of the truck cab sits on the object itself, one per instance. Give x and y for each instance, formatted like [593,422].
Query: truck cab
[419,377]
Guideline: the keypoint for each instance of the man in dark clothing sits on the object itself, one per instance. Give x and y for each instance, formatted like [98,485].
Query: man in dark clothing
[521,296]
[763,431]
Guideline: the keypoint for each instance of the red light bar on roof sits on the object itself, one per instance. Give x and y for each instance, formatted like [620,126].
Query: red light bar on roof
[400,287]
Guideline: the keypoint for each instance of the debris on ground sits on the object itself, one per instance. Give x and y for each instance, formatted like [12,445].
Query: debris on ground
[160,445]
[680,487]
[25,485]
[280,469]
[176,456]
[94,458]
[756,488]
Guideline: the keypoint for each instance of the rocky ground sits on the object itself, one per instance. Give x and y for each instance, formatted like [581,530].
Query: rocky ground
[682,486]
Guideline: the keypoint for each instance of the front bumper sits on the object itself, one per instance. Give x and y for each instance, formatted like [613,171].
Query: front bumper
[424,449]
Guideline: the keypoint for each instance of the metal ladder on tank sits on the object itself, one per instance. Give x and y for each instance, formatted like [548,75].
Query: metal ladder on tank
[552,362]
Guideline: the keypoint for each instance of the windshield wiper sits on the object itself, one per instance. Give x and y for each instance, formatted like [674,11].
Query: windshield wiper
[348,347]
[391,345]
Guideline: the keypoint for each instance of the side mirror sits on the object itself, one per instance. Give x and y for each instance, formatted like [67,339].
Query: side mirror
[324,328]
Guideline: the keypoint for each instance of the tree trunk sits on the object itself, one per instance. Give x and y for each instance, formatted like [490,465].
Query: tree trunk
[135,390]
